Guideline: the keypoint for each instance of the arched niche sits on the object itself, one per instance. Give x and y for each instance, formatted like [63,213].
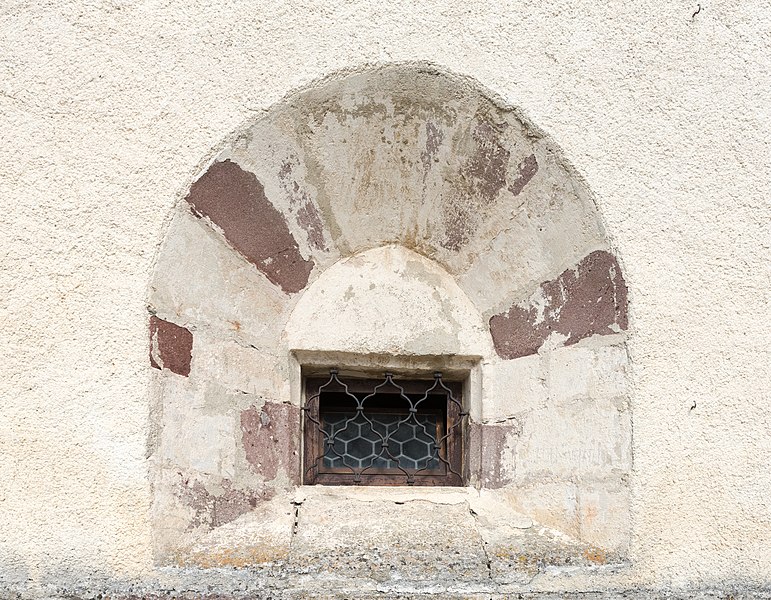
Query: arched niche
[398,195]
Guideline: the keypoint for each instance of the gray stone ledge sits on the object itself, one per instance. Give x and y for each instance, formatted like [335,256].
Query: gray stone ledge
[241,587]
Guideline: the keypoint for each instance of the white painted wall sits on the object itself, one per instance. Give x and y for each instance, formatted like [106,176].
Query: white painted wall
[109,111]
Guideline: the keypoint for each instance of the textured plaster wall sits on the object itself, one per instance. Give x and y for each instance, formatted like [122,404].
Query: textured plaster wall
[110,109]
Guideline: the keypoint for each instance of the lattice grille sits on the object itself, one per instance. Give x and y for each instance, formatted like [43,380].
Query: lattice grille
[385,432]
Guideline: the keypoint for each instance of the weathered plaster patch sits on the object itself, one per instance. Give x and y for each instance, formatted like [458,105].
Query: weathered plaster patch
[486,169]
[306,212]
[234,200]
[171,346]
[271,440]
[527,170]
[391,301]
[434,139]
[479,180]
[214,509]
[588,299]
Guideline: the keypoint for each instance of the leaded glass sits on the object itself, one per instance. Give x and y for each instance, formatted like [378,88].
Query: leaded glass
[358,441]
[383,432]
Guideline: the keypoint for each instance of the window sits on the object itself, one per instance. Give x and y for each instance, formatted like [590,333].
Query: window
[383,432]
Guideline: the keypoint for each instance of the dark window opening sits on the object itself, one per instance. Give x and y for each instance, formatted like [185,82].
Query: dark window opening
[383,432]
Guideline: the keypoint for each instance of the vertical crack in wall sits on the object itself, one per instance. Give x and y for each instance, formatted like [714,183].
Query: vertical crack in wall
[295,524]
[482,543]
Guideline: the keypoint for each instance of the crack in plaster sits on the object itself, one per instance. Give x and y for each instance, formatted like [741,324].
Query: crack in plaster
[482,544]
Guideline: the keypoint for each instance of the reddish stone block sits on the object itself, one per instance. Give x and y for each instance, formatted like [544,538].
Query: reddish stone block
[235,202]
[527,170]
[486,169]
[271,438]
[486,444]
[171,346]
[589,299]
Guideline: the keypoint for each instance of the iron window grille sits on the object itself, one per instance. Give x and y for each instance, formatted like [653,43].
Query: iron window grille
[383,432]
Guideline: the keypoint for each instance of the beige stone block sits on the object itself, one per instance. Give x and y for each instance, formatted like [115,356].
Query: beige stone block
[203,443]
[610,372]
[586,371]
[603,513]
[554,504]
[198,432]
[262,535]
[513,259]
[511,387]
[239,368]
[387,541]
[577,439]
[278,163]
[569,373]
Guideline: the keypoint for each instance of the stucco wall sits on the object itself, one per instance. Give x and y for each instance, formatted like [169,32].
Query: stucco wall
[109,111]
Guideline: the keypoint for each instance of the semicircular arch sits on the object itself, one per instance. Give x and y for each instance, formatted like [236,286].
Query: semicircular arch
[406,157]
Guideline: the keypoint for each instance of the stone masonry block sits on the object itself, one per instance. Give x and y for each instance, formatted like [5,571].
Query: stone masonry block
[388,541]
[196,435]
[171,346]
[603,513]
[575,440]
[512,387]
[241,368]
[261,534]
[610,372]
[555,504]
[580,372]
[569,373]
